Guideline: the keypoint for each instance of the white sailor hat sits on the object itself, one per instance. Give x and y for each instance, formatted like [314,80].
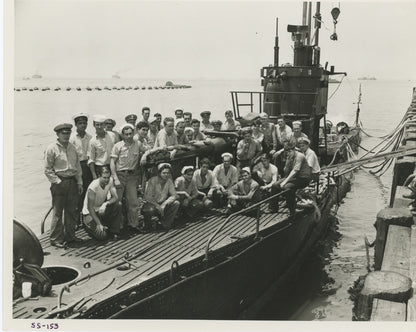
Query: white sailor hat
[296,124]
[160,166]
[128,125]
[187,129]
[304,140]
[99,118]
[178,109]
[79,115]
[227,154]
[246,169]
[264,115]
[186,168]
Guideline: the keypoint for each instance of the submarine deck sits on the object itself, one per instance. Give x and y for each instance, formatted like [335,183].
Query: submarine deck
[149,255]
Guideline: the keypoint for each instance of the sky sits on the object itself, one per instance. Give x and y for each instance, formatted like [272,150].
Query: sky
[196,39]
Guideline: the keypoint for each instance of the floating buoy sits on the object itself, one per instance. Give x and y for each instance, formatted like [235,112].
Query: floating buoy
[24,89]
[16,89]
[57,89]
[68,89]
[35,88]
[88,88]
[78,89]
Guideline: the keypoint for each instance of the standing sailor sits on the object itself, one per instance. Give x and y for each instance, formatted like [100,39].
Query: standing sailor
[145,114]
[99,150]
[63,170]
[180,132]
[281,133]
[124,169]
[205,122]
[109,125]
[178,114]
[187,117]
[230,123]
[197,135]
[151,135]
[311,157]
[297,131]
[248,149]
[80,139]
[267,128]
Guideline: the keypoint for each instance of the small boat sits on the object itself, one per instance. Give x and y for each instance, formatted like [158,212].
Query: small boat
[78,88]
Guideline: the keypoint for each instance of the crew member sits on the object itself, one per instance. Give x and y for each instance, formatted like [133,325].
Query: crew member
[80,139]
[230,123]
[311,157]
[145,114]
[178,114]
[297,176]
[297,131]
[188,192]
[205,182]
[248,149]
[151,136]
[142,129]
[244,193]
[63,170]
[102,213]
[109,125]
[267,128]
[227,176]
[281,133]
[205,122]
[196,126]
[124,162]
[187,117]
[99,149]
[216,124]
[160,199]
[257,132]
[265,173]
[158,117]
[189,132]
[131,118]
[180,132]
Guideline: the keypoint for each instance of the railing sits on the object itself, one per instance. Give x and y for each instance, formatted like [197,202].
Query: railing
[259,96]
[231,216]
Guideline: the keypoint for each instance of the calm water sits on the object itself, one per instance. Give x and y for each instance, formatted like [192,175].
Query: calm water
[337,262]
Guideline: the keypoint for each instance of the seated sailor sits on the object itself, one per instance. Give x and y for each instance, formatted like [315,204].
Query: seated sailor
[311,157]
[257,132]
[281,133]
[160,199]
[102,216]
[167,137]
[216,124]
[205,122]
[205,182]
[188,192]
[265,173]
[243,193]
[248,149]
[189,132]
[198,136]
[227,176]
[297,176]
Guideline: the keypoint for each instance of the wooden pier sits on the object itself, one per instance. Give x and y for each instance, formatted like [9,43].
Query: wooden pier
[389,293]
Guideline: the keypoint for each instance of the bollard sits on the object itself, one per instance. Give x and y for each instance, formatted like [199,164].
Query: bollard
[386,217]
[384,285]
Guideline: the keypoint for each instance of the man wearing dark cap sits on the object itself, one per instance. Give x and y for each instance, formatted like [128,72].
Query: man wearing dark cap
[63,170]
[109,127]
[205,122]
[131,118]
[80,139]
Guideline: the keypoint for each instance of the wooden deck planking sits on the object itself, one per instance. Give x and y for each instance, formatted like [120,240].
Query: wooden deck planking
[397,250]
[388,311]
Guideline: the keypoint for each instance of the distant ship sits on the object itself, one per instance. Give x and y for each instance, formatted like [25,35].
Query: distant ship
[365,78]
[116,76]
[36,75]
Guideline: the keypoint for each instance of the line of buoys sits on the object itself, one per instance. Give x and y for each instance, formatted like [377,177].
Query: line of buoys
[105,88]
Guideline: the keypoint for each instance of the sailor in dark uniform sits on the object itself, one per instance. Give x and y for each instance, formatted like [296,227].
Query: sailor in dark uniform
[63,170]
[131,118]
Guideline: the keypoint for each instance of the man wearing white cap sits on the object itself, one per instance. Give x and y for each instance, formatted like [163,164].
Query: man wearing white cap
[99,150]
[297,131]
[226,175]
[311,157]
[187,191]
[125,157]
[81,139]
[63,170]
[243,193]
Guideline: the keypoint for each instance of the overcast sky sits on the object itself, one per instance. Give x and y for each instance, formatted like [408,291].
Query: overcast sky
[204,39]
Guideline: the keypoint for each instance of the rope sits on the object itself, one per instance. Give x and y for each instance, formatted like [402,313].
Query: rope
[339,84]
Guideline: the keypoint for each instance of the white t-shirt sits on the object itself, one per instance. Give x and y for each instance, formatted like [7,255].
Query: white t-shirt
[101,195]
[312,160]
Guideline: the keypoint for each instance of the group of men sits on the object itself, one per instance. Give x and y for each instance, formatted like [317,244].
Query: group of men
[91,174]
